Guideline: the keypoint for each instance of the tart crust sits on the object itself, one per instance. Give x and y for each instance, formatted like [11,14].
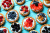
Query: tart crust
[24,14]
[33,30]
[5,28]
[34,23]
[3,19]
[10,7]
[48,12]
[38,10]
[40,22]
[20,3]
[20,25]
[43,26]
[45,4]
[16,18]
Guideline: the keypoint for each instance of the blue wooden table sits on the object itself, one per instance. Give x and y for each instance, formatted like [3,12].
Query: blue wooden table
[32,14]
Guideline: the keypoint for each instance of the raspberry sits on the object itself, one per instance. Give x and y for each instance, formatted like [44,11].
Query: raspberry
[4,30]
[8,6]
[10,3]
[1,17]
[28,18]
[2,3]
[26,10]
[26,7]
[7,2]
[0,20]
[22,7]
[31,20]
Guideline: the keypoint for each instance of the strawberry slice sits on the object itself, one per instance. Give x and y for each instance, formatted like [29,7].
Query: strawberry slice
[8,6]
[0,20]
[1,17]
[40,4]
[2,3]
[4,30]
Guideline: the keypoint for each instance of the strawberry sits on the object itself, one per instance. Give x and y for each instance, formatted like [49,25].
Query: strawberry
[1,17]
[9,0]
[8,6]
[27,20]
[2,3]
[4,30]
[26,10]
[0,20]
[7,3]
[22,7]
[30,25]
[10,3]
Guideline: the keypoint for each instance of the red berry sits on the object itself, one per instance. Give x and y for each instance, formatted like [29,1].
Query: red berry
[28,18]
[26,10]
[7,2]
[31,20]
[10,3]
[0,20]
[1,17]
[8,6]
[26,7]
[4,30]
[2,3]
[22,7]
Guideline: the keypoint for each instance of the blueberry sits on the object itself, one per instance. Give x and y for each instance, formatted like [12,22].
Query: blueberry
[24,12]
[46,31]
[1,31]
[49,12]
[43,19]
[45,27]
[13,29]
[9,18]
[33,31]
[43,30]
[21,9]
[12,26]
[49,29]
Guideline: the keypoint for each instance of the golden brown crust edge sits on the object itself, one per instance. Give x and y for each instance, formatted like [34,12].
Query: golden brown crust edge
[3,19]
[20,25]
[43,26]
[6,28]
[43,22]
[14,20]
[20,3]
[8,8]
[33,26]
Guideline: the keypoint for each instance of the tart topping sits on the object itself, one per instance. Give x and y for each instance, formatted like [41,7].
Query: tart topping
[1,18]
[28,23]
[7,3]
[24,9]
[46,30]
[11,15]
[36,5]
[16,27]
[33,32]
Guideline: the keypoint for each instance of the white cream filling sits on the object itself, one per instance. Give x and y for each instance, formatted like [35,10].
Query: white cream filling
[46,3]
[15,17]
[39,20]
[26,12]
[28,27]
[4,28]
[6,5]
[44,29]
[15,31]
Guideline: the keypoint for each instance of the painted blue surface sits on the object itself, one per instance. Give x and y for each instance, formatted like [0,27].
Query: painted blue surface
[32,14]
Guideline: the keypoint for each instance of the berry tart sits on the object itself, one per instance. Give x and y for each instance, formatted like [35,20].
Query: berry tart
[45,29]
[7,4]
[29,23]
[33,31]
[2,19]
[12,16]
[36,6]
[46,3]
[48,12]
[20,2]
[41,18]
[24,10]
[16,27]
[4,30]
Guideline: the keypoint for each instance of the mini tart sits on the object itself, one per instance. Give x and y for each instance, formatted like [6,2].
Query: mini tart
[36,6]
[29,23]
[7,4]
[48,12]
[33,31]
[41,18]
[4,30]
[12,16]
[46,3]
[20,2]
[45,28]
[16,27]
[2,19]
[24,10]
